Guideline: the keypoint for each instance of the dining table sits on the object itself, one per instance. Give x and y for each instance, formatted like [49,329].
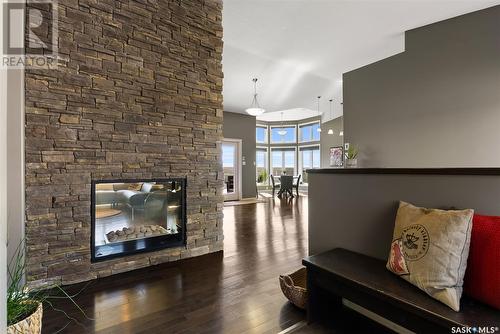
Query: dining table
[286,185]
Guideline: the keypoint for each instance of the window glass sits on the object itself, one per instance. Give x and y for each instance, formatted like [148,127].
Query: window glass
[315,159]
[288,137]
[261,158]
[228,155]
[283,161]
[306,159]
[261,166]
[315,133]
[290,159]
[309,132]
[309,157]
[277,158]
[261,134]
[305,132]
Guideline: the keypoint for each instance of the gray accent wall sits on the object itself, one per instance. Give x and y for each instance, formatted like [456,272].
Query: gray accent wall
[435,105]
[241,126]
[328,141]
[358,211]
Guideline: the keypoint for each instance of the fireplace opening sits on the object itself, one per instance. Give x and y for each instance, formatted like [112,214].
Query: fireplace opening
[134,216]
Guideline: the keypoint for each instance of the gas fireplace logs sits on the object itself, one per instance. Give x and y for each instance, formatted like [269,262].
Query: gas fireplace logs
[136,232]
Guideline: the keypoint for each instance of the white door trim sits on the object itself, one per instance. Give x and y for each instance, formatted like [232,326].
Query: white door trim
[239,158]
[3,189]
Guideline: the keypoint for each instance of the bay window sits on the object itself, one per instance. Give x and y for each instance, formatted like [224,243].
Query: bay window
[283,161]
[309,132]
[283,134]
[261,166]
[309,157]
[261,134]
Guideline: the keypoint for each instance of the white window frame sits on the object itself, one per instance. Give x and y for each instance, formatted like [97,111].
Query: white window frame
[299,132]
[267,164]
[299,158]
[266,136]
[283,148]
[271,127]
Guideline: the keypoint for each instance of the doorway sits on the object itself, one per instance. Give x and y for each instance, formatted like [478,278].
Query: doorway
[231,164]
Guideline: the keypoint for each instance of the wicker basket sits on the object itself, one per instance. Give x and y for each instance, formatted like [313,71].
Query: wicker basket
[294,287]
[30,325]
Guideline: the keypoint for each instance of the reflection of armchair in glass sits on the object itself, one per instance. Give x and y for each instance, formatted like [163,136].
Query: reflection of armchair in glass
[155,206]
[135,199]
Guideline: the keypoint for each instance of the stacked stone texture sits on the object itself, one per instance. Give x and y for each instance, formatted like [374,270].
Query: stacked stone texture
[137,94]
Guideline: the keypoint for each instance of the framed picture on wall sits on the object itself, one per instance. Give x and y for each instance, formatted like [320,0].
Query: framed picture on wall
[336,156]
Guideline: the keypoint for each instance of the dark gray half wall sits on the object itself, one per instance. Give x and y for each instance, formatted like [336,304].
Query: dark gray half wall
[240,126]
[435,105]
[358,211]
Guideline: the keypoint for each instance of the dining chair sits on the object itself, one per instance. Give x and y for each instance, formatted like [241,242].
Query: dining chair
[297,183]
[275,184]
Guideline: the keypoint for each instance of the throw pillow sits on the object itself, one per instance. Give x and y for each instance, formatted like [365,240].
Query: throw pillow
[482,277]
[430,249]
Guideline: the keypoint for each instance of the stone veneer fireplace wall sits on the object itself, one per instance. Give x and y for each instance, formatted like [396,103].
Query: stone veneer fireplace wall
[138,94]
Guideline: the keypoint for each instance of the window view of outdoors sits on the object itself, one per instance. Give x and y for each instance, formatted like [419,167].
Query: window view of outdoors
[288,137]
[308,158]
[309,132]
[261,166]
[283,161]
[261,135]
[288,149]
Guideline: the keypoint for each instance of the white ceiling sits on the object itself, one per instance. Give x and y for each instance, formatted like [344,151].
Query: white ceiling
[288,115]
[299,48]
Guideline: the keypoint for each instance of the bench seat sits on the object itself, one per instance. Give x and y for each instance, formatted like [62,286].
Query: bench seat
[365,281]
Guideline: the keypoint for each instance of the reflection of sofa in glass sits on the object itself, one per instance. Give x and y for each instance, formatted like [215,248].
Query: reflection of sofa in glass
[145,198]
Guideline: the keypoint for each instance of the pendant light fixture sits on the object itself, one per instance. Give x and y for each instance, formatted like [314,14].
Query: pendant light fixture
[342,122]
[319,115]
[330,131]
[255,109]
[282,130]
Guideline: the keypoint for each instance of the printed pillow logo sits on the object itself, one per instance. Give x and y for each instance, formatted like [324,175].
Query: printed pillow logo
[412,246]
[415,239]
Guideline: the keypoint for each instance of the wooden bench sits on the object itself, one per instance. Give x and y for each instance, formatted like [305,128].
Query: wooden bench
[365,281]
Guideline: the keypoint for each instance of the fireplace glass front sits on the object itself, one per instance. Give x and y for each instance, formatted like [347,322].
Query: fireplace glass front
[137,216]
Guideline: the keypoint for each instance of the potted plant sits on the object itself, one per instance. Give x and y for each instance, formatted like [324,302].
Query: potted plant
[351,155]
[25,304]
[262,177]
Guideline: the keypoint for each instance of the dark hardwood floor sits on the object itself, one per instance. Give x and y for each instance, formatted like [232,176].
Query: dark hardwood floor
[232,292]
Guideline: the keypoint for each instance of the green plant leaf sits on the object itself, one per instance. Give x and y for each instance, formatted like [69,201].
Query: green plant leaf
[22,301]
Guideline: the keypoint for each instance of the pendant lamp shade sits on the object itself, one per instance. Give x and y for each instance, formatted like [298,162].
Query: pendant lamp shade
[255,109]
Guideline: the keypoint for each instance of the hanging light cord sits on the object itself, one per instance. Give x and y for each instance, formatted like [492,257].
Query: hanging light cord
[255,102]
[319,115]
[330,131]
